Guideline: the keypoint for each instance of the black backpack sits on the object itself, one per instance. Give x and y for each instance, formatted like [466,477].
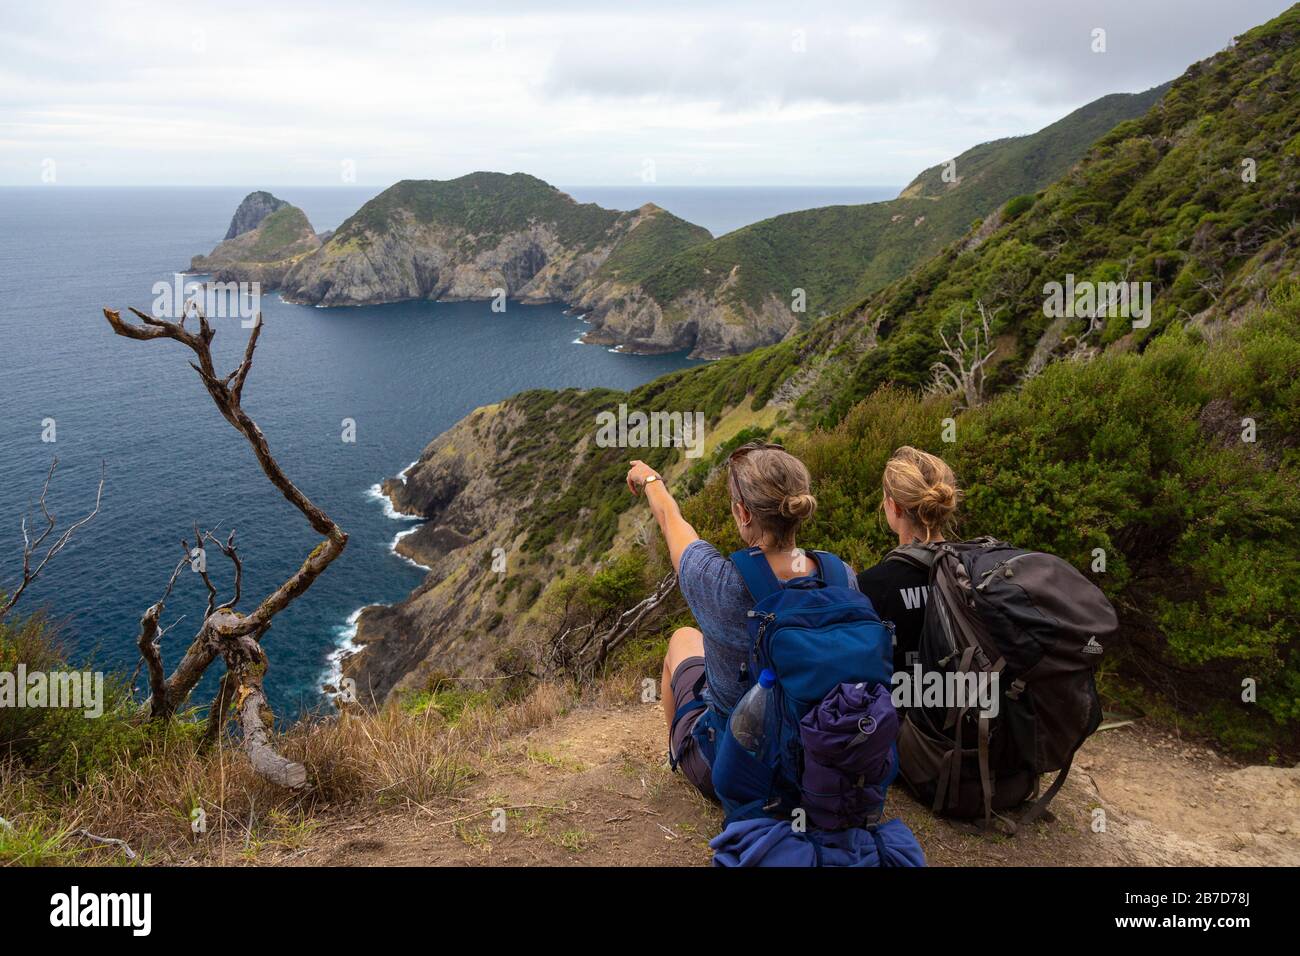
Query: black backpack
[1037,623]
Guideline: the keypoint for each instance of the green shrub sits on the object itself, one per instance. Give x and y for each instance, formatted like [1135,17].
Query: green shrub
[1015,207]
[62,743]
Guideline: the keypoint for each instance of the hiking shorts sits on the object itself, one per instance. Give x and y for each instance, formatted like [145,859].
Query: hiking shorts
[687,686]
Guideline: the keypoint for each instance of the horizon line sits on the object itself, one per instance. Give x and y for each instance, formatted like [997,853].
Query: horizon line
[265,186]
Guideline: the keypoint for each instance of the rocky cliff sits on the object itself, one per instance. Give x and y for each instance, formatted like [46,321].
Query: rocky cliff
[468,238]
[255,207]
[452,622]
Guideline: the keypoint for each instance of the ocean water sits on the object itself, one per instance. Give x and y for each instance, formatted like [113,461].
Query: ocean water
[403,373]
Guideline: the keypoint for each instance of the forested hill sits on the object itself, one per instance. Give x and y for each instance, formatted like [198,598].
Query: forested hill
[475,236]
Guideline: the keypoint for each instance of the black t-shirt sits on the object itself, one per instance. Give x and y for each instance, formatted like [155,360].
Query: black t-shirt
[898,591]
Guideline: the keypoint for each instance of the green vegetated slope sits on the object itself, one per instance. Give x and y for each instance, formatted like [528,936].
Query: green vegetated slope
[485,205]
[837,254]
[1200,197]
[990,173]
[1138,452]
[279,234]
[659,236]
[265,252]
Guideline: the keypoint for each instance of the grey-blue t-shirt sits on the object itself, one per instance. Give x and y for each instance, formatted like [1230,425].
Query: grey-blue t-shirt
[720,602]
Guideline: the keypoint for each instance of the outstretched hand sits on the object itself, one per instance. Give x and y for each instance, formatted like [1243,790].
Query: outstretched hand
[676,530]
[637,474]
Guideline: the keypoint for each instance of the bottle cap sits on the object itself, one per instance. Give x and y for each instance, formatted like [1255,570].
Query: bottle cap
[766,678]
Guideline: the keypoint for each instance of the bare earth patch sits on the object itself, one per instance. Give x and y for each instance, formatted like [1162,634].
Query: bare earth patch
[593,788]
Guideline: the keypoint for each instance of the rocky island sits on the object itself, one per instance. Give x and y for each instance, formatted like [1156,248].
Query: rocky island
[267,236]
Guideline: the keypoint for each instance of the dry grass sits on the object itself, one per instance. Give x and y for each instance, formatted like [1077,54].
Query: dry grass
[156,801]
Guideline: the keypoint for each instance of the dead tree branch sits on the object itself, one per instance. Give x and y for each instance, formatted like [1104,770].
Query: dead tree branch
[226,632]
[961,369]
[32,545]
[150,644]
[580,650]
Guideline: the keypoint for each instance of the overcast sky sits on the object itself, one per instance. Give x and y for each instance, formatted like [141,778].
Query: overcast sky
[694,93]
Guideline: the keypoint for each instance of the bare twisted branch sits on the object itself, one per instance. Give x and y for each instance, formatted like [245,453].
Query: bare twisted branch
[225,631]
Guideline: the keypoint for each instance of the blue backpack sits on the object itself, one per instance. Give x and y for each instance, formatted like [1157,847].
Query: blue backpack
[816,634]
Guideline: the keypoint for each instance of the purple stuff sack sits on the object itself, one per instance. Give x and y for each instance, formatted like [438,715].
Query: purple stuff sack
[849,756]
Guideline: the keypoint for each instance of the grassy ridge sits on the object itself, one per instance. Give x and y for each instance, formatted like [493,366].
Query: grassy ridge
[485,205]
[992,172]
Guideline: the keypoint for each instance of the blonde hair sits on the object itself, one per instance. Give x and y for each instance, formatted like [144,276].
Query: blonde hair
[923,487]
[774,486]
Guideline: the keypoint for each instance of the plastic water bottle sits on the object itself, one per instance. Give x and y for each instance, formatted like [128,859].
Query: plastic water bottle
[749,719]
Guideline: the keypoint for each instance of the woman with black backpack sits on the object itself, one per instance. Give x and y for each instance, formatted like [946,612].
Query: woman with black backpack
[919,499]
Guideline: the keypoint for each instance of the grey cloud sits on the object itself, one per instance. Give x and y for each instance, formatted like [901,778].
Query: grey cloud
[1037,52]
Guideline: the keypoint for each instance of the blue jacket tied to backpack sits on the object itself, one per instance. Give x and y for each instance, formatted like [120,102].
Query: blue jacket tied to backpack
[768,842]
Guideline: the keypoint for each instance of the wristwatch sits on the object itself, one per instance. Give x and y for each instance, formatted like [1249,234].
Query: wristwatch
[650,478]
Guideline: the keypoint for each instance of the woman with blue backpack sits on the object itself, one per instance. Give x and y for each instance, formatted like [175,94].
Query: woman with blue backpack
[708,667]
[778,705]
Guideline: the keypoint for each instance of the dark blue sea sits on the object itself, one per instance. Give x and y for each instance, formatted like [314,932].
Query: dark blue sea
[404,373]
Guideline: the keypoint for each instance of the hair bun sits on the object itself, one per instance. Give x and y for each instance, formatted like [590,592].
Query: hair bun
[798,506]
[941,493]
[937,504]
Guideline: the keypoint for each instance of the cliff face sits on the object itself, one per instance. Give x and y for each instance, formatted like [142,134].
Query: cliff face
[414,260]
[255,207]
[634,321]
[468,238]
[263,254]
[446,623]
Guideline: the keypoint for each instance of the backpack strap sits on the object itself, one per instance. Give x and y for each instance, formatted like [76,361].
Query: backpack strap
[759,577]
[834,572]
[917,555]
[761,580]
[697,702]
[1040,807]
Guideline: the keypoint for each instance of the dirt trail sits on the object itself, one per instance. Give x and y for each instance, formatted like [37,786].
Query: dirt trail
[593,788]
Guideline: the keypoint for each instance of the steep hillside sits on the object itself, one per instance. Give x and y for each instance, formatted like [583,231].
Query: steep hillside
[466,238]
[740,288]
[270,236]
[1200,198]
[992,172]
[1128,447]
